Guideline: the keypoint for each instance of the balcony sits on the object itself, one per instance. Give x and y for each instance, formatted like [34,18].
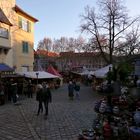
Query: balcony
[4,33]
[4,38]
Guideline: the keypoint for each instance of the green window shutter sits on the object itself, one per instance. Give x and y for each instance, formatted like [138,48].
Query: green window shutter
[20,22]
[25,47]
[29,26]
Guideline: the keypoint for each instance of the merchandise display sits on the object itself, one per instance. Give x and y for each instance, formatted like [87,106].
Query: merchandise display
[116,119]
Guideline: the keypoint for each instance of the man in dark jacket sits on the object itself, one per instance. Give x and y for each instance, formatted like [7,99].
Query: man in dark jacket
[47,97]
[39,98]
[70,90]
[13,91]
[77,90]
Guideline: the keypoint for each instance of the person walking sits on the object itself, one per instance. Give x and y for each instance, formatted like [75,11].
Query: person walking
[77,90]
[47,97]
[39,98]
[138,83]
[25,87]
[30,89]
[2,94]
[70,90]
[13,91]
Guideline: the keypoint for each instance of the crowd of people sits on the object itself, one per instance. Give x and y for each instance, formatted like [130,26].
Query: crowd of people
[11,90]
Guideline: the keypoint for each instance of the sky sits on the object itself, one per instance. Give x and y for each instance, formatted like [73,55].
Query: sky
[61,18]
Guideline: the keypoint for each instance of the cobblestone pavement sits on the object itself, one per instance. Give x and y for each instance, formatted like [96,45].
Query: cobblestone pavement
[65,120]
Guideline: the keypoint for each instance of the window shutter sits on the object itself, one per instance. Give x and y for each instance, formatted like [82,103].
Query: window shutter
[24,47]
[27,47]
[20,22]
[29,26]
[23,44]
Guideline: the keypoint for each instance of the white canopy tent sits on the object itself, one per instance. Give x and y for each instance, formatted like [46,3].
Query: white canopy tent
[38,74]
[85,72]
[101,73]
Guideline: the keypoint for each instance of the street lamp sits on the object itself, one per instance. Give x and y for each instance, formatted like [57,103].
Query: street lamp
[37,77]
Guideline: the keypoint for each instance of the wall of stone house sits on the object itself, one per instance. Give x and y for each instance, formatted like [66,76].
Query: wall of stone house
[7,7]
[15,57]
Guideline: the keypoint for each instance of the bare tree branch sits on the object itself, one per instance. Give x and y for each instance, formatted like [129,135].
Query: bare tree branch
[112,23]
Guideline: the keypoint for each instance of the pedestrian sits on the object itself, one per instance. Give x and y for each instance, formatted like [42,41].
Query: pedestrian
[30,89]
[25,87]
[13,91]
[47,97]
[138,82]
[39,98]
[77,90]
[2,94]
[70,90]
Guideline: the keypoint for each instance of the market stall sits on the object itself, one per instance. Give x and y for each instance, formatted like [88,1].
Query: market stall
[101,73]
[5,70]
[53,71]
[37,74]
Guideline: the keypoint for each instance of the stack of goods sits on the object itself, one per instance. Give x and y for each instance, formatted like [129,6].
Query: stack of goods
[117,119]
[120,120]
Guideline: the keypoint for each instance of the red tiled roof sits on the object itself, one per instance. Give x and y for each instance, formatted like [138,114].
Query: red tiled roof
[46,53]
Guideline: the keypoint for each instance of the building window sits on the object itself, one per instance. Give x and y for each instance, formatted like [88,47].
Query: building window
[25,47]
[24,24]
[4,32]
[29,26]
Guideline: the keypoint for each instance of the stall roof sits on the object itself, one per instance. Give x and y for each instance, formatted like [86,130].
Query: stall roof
[52,70]
[38,74]
[101,73]
[4,67]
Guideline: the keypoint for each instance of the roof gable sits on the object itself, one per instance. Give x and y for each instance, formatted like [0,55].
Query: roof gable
[19,10]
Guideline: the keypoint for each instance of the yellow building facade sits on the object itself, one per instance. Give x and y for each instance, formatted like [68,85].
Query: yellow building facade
[16,36]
